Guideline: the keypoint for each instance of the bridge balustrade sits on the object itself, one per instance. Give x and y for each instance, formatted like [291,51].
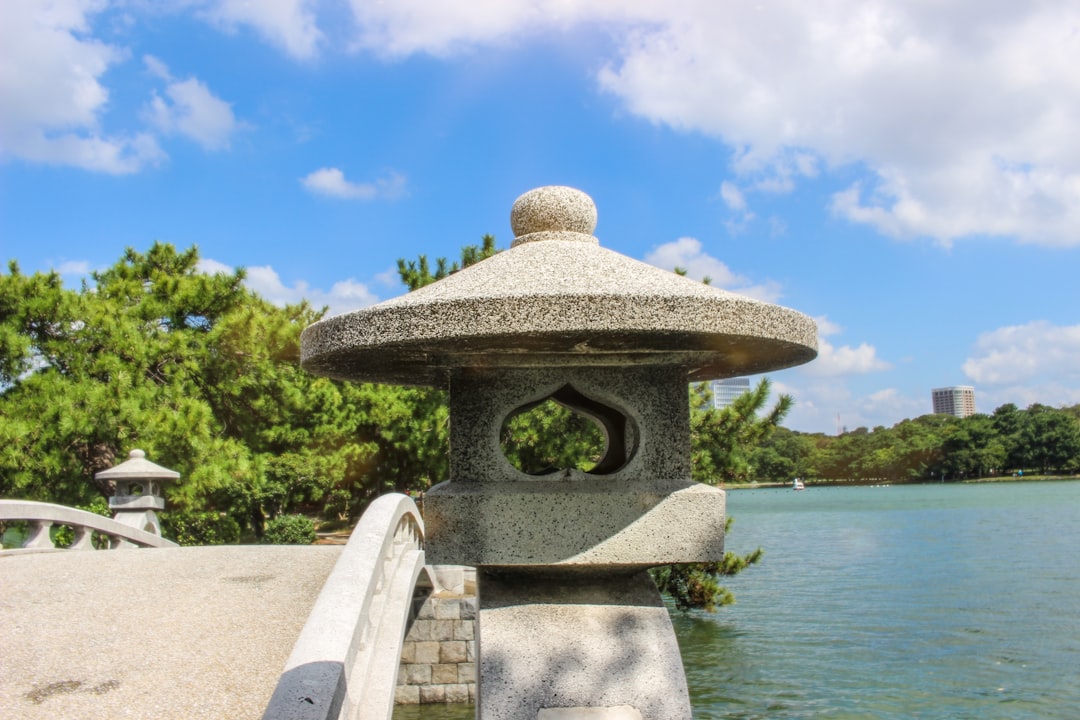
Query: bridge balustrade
[41,518]
[345,663]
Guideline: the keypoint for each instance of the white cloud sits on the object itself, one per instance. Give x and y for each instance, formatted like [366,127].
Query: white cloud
[687,253]
[834,361]
[157,68]
[1018,354]
[389,278]
[331,182]
[958,112]
[1024,364]
[51,91]
[961,114]
[735,201]
[289,24]
[343,296]
[732,196]
[822,393]
[73,267]
[825,326]
[403,27]
[829,406]
[213,267]
[191,110]
[1046,392]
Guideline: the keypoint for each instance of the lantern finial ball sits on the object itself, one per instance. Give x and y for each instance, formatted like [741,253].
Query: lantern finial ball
[553,209]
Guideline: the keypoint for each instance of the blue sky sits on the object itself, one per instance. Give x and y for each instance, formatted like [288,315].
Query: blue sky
[908,174]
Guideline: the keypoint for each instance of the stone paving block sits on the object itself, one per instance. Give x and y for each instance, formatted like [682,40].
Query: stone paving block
[466,672]
[421,630]
[427,610]
[452,652]
[464,630]
[417,674]
[408,652]
[468,608]
[442,629]
[432,694]
[457,693]
[447,609]
[427,652]
[407,695]
[444,674]
[470,651]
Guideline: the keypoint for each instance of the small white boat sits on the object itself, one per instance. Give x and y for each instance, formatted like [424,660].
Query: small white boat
[797,484]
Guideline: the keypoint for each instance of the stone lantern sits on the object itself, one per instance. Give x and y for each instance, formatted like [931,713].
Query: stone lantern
[570,624]
[139,491]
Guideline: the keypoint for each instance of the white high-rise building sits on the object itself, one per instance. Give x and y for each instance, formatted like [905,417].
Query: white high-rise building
[725,391]
[958,400]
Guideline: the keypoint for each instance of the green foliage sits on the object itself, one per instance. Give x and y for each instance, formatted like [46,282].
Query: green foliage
[188,366]
[290,530]
[723,440]
[696,586]
[63,535]
[549,437]
[417,273]
[1038,439]
[722,443]
[199,527]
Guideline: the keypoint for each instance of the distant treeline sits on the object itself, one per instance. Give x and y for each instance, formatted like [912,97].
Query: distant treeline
[1041,440]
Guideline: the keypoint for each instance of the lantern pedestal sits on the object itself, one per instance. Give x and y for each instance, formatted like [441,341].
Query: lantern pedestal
[577,642]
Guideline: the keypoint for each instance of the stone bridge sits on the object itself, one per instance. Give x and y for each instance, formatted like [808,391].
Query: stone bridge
[207,632]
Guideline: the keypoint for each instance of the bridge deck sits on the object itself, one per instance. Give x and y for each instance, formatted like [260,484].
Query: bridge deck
[181,633]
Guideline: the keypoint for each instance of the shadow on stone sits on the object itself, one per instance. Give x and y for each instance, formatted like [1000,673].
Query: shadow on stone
[315,690]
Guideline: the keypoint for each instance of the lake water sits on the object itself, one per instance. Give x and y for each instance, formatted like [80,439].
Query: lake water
[916,601]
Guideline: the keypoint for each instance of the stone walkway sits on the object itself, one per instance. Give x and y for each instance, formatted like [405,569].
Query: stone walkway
[186,633]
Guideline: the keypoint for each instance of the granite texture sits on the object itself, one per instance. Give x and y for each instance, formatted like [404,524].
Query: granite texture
[557,297]
[577,644]
[619,517]
[554,208]
[652,403]
[587,524]
[184,633]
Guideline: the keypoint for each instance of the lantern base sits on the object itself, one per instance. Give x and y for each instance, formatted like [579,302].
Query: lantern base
[577,648]
[592,522]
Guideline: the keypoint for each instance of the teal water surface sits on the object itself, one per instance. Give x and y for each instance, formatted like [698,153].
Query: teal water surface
[917,601]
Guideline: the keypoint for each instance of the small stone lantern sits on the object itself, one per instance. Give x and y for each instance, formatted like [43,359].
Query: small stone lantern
[139,491]
[570,625]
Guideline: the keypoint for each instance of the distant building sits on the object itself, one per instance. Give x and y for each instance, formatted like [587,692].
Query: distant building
[958,400]
[725,391]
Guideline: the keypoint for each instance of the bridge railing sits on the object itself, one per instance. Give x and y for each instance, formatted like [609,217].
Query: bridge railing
[345,663]
[41,518]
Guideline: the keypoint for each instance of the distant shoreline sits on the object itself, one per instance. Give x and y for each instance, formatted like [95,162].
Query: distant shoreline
[882,481]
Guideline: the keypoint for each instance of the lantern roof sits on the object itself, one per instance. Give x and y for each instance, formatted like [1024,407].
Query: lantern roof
[556,297]
[137,467]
